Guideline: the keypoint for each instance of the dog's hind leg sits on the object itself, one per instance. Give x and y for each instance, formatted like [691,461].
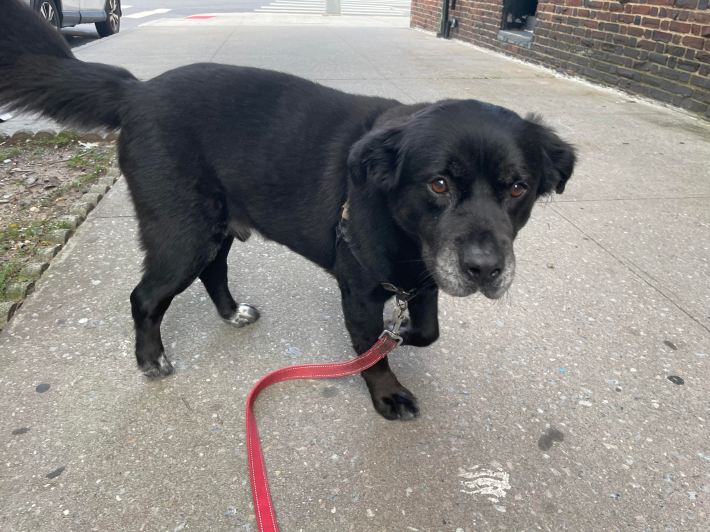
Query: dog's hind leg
[214,277]
[170,267]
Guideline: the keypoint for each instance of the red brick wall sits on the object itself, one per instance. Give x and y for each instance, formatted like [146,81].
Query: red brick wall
[426,15]
[485,17]
[656,48]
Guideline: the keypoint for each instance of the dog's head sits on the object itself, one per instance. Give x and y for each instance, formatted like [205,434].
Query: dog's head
[461,178]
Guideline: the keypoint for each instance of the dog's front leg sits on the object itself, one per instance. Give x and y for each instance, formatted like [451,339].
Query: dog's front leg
[422,327]
[363,308]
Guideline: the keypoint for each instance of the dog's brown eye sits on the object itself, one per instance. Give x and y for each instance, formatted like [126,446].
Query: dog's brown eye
[518,189]
[439,185]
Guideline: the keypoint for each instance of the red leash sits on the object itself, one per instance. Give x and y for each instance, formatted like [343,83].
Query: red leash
[264,509]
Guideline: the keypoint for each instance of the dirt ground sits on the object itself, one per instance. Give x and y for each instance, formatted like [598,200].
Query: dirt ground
[40,179]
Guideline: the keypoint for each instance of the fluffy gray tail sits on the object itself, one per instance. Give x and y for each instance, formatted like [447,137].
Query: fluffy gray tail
[39,73]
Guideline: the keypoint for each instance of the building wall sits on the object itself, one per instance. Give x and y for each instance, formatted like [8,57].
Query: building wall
[655,48]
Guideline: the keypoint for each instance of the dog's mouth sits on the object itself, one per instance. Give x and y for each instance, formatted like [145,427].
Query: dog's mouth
[451,279]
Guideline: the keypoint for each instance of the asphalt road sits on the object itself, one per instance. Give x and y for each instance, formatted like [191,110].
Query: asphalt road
[139,12]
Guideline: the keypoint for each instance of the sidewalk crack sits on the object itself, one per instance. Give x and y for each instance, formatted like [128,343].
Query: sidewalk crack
[219,48]
[630,266]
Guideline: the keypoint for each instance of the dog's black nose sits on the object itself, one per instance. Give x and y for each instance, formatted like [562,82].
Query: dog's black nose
[482,264]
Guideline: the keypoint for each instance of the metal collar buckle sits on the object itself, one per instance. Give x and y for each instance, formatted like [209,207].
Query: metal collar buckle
[401,295]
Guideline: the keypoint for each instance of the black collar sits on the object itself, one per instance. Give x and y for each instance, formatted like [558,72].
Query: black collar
[343,234]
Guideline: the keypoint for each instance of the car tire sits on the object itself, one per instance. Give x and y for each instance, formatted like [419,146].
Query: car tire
[47,9]
[112,24]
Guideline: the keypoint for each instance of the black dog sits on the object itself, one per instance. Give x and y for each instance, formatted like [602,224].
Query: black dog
[424,196]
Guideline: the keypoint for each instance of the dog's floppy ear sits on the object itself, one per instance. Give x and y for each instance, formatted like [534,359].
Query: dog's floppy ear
[557,157]
[375,158]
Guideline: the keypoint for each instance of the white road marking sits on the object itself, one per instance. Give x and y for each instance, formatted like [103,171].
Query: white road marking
[313,6]
[279,19]
[143,14]
[398,8]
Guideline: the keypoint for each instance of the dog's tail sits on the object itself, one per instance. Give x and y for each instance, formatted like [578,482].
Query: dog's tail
[39,73]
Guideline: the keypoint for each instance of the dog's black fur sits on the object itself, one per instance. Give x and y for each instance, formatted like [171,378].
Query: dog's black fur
[436,193]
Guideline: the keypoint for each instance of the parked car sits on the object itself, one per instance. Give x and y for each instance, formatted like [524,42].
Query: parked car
[105,14]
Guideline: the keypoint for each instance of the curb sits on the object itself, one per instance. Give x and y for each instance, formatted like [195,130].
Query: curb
[26,134]
[58,238]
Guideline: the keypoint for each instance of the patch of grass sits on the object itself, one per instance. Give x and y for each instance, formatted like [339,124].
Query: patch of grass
[9,153]
[38,147]
[37,152]
[60,140]
[93,162]
[9,271]
[24,230]
[32,236]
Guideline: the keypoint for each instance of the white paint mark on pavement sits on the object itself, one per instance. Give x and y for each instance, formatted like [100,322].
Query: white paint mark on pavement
[493,483]
[143,14]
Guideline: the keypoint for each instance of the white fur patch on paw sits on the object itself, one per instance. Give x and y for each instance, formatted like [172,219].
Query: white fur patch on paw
[165,366]
[245,315]
[163,369]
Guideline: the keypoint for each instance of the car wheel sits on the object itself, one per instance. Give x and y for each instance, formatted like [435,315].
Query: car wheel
[47,9]
[112,24]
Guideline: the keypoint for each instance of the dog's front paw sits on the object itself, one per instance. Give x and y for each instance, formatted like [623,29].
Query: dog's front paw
[160,368]
[243,316]
[397,405]
[392,400]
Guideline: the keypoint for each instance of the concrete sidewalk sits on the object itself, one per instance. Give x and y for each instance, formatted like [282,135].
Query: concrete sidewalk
[551,410]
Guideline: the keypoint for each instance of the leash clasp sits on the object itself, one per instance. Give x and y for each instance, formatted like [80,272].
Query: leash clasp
[394,336]
[401,302]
